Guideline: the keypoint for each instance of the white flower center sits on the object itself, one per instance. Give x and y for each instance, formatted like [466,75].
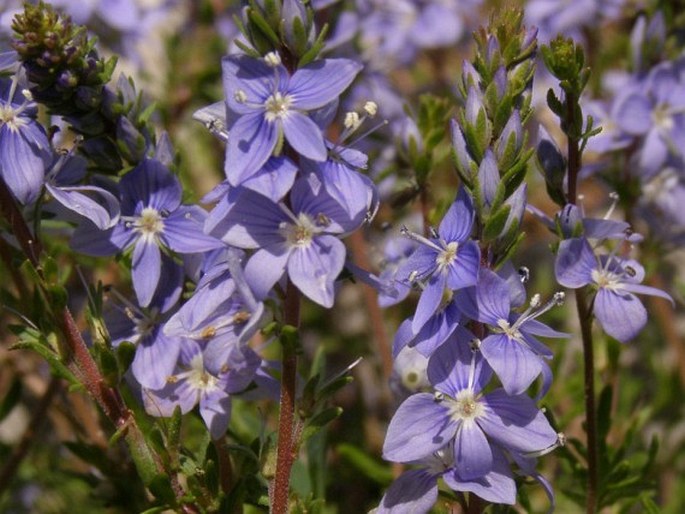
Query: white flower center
[447,256]
[150,223]
[198,378]
[466,407]
[510,330]
[10,116]
[301,233]
[277,106]
[606,279]
[662,117]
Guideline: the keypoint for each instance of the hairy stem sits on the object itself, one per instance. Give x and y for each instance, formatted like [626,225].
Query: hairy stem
[286,418]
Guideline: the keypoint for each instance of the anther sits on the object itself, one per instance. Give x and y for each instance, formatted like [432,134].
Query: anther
[535,301]
[371,108]
[438,396]
[240,96]
[524,274]
[352,121]
[559,298]
[474,344]
[272,59]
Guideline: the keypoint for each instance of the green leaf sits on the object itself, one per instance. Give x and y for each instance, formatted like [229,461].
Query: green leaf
[262,26]
[319,421]
[495,223]
[371,468]
[160,487]
[56,365]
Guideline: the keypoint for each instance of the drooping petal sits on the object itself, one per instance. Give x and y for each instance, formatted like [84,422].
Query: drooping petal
[155,360]
[251,142]
[215,409]
[515,364]
[304,136]
[321,82]
[621,315]
[654,152]
[472,452]
[420,427]
[146,270]
[498,486]
[22,165]
[274,180]
[414,492]
[313,269]
[265,268]
[437,329]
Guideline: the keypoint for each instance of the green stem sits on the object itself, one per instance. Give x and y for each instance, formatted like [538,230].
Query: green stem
[585,318]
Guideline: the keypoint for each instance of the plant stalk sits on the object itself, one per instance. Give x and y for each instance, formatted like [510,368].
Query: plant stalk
[585,319]
[286,418]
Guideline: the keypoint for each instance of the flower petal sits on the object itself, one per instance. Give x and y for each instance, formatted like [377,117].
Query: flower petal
[146,270]
[313,269]
[420,427]
[321,82]
[622,316]
[304,136]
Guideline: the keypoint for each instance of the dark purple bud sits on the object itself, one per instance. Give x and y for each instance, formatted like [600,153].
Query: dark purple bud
[553,166]
[131,141]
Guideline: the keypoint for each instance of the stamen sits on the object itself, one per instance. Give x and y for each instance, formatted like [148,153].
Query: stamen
[614,202]
[438,396]
[272,59]
[352,121]
[524,274]
[240,96]
[371,108]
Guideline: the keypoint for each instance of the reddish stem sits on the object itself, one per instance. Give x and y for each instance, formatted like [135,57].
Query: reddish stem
[286,418]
